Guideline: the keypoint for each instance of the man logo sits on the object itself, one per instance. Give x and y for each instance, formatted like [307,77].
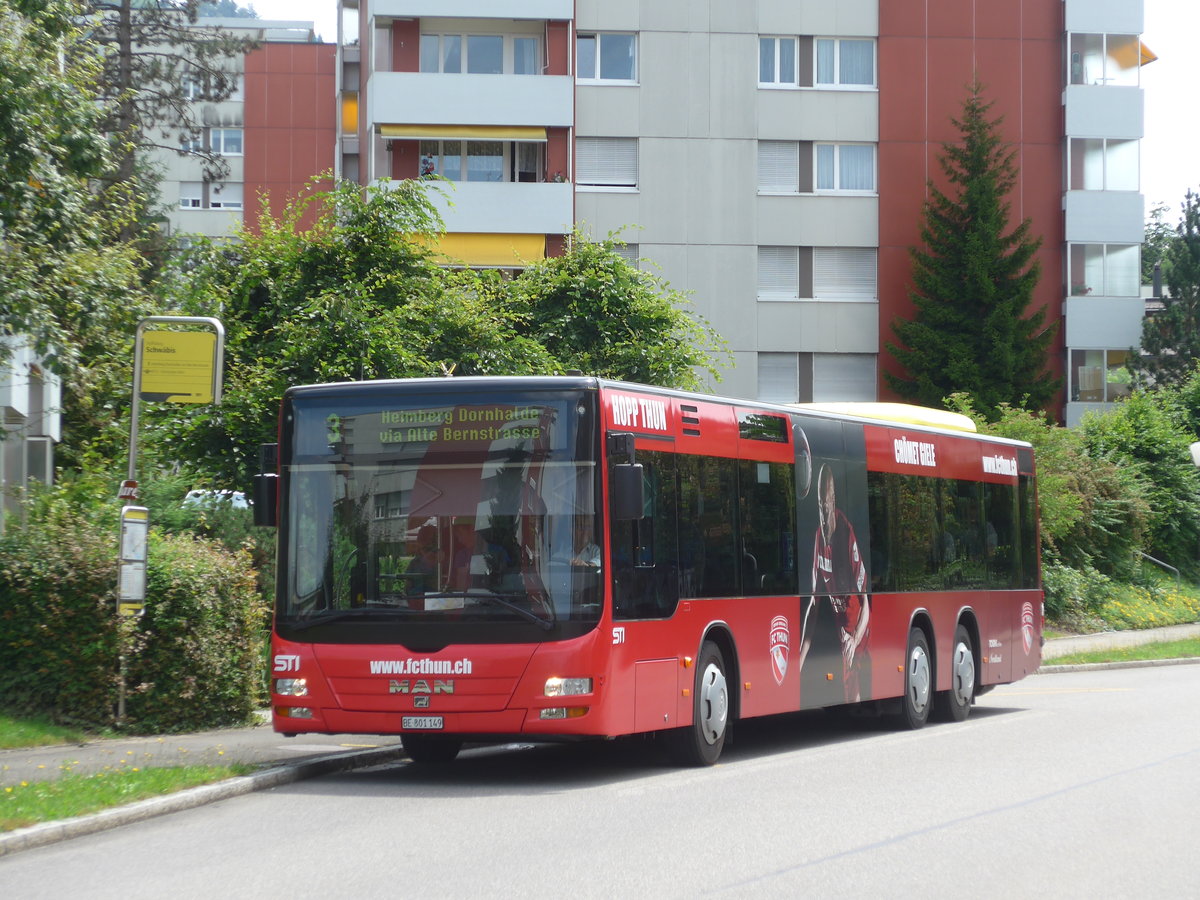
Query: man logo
[420,686]
[780,644]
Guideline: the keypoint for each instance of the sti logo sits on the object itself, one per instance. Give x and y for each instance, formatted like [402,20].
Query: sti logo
[287,662]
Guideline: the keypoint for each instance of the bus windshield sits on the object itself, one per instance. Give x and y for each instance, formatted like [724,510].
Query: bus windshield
[472,517]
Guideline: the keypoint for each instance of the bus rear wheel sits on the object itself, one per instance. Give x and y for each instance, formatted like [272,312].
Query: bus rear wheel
[918,683]
[426,748]
[954,705]
[700,743]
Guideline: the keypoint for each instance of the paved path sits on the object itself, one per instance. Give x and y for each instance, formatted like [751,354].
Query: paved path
[1107,640]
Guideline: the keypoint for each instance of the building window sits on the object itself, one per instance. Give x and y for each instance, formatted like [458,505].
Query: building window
[1104,270]
[779,273]
[606,56]
[778,167]
[482,160]
[1104,164]
[816,377]
[1099,376]
[845,62]
[777,61]
[191,195]
[628,252]
[481,54]
[819,273]
[845,273]
[606,162]
[192,143]
[1104,59]
[226,141]
[845,167]
[225,196]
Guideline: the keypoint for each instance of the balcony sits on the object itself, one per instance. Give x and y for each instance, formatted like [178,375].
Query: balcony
[435,99]
[1104,217]
[473,9]
[1104,111]
[488,207]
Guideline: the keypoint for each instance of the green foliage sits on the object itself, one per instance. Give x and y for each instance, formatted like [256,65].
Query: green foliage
[1094,512]
[1075,596]
[1146,436]
[1171,336]
[193,658]
[973,284]
[1158,237]
[594,312]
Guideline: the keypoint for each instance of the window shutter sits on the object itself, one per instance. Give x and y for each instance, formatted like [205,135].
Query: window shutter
[778,272]
[607,162]
[843,376]
[779,166]
[778,377]
[845,273]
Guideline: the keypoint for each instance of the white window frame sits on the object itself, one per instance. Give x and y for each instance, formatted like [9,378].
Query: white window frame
[508,56]
[800,377]
[217,138]
[596,76]
[191,195]
[1079,283]
[780,79]
[779,167]
[226,196]
[837,169]
[1099,376]
[837,84]
[613,163]
[629,253]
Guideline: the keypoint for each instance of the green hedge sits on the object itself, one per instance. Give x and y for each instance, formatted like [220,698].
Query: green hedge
[195,655]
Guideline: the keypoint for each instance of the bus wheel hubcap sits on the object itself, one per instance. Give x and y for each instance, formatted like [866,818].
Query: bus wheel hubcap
[963,671]
[918,679]
[714,703]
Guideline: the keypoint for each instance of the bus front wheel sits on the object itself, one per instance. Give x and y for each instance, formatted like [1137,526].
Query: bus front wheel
[700,744]
[918,682]
[426,748]
[955,704]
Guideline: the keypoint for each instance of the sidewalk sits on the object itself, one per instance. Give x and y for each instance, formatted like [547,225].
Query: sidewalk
[1107,640]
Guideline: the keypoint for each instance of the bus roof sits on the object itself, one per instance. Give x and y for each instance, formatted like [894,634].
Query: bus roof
[896,412]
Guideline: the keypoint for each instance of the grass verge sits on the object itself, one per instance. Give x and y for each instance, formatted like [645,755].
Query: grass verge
[29,803]
[16,733]
[1166,650]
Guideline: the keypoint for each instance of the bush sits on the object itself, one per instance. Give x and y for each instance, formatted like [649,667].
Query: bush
[1075,597]
[195,653]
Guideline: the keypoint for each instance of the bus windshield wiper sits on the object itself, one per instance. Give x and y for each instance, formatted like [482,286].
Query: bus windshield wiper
[505,600]
[338,615]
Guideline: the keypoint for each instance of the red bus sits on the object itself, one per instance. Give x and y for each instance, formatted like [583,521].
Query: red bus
[555,558]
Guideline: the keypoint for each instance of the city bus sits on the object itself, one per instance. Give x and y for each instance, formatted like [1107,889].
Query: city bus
[497,559]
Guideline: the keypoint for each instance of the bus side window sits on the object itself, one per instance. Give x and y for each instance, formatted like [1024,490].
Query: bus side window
[645,568]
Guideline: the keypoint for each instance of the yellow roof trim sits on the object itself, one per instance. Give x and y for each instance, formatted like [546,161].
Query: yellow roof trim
[465,132]
[897,412]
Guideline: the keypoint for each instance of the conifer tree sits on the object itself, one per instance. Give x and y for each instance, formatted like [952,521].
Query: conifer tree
[973,283]
[1171,337]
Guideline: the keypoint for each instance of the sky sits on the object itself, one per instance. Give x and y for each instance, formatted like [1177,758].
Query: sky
[1170,149]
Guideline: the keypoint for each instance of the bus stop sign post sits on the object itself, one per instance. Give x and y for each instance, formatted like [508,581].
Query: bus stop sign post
[173,367]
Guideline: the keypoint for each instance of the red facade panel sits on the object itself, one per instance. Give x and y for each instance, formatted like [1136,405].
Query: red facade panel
[929,52]
[290,121]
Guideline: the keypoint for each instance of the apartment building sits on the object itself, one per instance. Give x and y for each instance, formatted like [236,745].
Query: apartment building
[771,158]
[277,130]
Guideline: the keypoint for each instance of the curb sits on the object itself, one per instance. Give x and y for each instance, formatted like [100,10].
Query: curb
[46,833]
[1126,664]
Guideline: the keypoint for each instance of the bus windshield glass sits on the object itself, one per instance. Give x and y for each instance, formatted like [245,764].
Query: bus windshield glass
[432,519]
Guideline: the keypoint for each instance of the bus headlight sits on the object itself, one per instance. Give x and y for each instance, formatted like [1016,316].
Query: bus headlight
[293,712]
[291,687]
[567,687]
[563,712]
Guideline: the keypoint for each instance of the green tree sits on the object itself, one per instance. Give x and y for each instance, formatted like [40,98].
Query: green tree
[1171,336]
[156,63]
[1158,237]
[594,312]
[973,283]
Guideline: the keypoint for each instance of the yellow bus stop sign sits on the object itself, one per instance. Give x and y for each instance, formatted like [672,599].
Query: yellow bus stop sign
[179,366]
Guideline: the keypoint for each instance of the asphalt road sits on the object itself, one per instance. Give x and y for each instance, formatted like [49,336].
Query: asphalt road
[1068,785]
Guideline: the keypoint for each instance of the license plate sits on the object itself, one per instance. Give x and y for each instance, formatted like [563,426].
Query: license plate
[422,723]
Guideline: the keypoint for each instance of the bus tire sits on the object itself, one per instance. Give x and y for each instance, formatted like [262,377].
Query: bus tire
[918,683]
[428,748]
[954,705]
[700,743]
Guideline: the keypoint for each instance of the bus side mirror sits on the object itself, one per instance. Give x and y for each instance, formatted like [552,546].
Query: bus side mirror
[628,492]
[266,487]
[266,495]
